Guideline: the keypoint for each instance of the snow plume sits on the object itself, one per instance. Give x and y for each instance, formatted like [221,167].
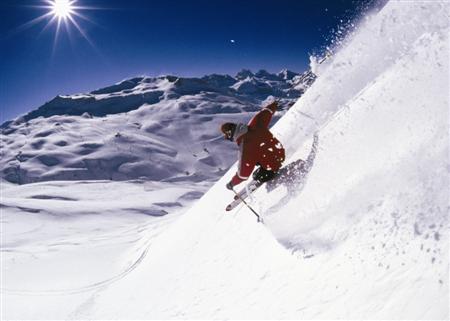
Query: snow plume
[365,55]
[365,237]
[349,25]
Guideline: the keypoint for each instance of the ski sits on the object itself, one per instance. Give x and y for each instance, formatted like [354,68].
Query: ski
[260,220]
[243,194]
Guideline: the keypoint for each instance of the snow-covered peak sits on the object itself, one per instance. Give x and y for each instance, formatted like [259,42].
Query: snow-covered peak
[157,128]
[130,94]
[286,74]
[219,81]
[119,87]
[264,74]
[244,73]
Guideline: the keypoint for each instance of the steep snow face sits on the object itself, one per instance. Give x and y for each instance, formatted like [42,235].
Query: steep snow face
[364,235]
[164,128]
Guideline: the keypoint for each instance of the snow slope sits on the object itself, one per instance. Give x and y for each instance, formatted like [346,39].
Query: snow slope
[365,234]
[62,240]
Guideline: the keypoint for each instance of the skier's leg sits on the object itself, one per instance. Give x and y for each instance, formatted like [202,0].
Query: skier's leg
[263,175]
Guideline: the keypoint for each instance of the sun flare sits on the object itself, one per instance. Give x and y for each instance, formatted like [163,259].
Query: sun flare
[62,9]
[62,13]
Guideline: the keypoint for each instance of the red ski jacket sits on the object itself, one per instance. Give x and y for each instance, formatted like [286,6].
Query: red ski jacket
[257,145]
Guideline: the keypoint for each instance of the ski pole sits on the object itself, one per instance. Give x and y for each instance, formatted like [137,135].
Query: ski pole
[251,209]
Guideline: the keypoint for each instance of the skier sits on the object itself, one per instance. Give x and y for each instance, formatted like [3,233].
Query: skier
[257,146]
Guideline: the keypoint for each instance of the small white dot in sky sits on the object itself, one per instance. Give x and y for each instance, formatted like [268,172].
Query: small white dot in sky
[232,41]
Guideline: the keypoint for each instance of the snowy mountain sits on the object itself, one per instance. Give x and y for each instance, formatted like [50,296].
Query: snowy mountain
[363,235]
[162,128]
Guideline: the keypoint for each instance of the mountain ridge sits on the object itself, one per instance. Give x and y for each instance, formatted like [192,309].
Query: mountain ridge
[130,94]
[154,128]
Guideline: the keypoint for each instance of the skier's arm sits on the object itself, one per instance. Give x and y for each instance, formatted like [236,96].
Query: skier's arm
[263,118]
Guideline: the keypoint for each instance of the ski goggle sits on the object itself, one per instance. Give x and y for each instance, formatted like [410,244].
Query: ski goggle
[228,130]
[228,134]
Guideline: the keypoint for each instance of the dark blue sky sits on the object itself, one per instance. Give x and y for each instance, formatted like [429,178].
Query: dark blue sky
[144,37]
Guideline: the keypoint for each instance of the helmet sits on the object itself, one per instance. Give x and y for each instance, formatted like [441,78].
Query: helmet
[228,130]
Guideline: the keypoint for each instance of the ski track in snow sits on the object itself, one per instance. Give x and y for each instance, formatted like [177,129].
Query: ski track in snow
[138,231]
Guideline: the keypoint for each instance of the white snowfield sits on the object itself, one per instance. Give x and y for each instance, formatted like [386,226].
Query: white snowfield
[365,235]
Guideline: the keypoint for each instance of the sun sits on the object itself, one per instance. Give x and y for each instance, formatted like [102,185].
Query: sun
[62,9]
[66,13]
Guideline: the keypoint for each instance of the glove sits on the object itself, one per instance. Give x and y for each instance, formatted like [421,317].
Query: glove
[229,186]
